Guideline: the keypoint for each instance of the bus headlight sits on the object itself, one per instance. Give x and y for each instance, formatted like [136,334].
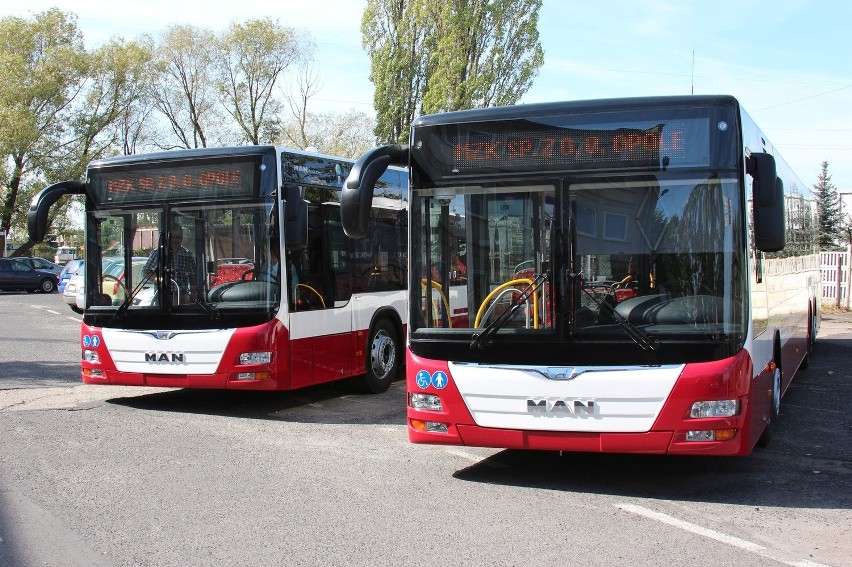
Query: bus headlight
[256,358]
[91,356]
[715,408]
[428,402]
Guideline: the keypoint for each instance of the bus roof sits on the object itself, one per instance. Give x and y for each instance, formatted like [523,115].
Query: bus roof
[574,107]
[182,154]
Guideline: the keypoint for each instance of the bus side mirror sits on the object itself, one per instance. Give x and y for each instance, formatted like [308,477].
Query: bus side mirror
[295,219]
[767,203]
[41,203]
[356,198]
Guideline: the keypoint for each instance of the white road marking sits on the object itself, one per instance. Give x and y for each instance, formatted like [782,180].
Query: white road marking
[74,319]
[52,311]
[713,534]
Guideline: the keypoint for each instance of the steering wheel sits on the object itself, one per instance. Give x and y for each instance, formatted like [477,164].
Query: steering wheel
[440,289]
[108,277]
[312,290]
[502,288]
[253,274]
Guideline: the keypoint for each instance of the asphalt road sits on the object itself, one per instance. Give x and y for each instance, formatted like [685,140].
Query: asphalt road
[94,475]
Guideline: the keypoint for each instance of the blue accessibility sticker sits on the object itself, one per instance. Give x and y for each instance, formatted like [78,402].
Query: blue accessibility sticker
[91,341]
[439,379]
[423,379]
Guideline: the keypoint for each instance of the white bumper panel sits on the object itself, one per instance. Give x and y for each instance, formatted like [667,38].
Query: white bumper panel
[595,399]
[186,352]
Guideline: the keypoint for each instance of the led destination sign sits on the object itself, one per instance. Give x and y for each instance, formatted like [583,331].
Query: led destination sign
[178,180]
[617,146]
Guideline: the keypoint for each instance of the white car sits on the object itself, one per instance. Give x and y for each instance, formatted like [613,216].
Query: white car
[74,288]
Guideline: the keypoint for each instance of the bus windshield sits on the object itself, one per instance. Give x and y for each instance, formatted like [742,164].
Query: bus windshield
[213,260]
[650,251]
[191,241]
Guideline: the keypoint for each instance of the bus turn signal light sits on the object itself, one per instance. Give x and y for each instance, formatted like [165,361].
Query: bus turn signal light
[428,426]
[711,435]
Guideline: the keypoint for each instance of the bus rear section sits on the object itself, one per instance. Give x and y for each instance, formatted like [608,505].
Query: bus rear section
[630,285]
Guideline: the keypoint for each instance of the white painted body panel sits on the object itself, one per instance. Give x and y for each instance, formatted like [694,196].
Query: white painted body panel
[626,400]
[202,350]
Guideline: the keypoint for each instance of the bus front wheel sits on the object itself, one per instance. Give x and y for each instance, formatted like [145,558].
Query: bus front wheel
[384,355]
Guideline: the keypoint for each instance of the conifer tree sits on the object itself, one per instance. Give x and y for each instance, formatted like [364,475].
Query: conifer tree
[830,225]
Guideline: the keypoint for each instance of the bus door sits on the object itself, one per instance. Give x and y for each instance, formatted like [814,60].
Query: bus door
[322,344]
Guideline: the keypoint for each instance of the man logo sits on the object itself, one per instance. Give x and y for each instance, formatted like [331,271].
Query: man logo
[568,406]
[170,357]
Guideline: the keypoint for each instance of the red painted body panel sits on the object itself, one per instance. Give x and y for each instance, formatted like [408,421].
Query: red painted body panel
[295,364]
[724,379]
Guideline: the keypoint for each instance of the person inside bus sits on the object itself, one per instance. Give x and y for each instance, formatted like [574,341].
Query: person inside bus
[182,263]
[272,271]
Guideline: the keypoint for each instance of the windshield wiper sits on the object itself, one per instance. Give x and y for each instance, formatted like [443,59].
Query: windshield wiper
[125,305]
[636,334]
[211,310]
[483,339]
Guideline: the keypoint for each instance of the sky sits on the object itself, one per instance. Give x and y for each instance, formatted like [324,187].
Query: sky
[787,61]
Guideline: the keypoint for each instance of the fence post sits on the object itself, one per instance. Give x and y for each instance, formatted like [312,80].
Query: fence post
[848,273]
[839,275]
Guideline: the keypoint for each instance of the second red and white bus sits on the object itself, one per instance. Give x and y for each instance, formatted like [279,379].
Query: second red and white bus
[641,275]
[242,277]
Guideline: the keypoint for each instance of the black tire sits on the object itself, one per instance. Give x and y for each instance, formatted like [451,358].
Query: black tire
[809,348]
[774,410]
[47,286]
[384,357]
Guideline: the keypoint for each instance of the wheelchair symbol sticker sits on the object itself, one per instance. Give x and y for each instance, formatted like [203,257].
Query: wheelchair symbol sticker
[423,379]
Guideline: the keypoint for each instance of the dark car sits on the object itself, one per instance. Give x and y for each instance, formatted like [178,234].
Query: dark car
[68,271]
[37,263]
[15,275]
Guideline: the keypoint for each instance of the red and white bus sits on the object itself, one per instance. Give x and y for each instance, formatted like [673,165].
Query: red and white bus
[642,275]
[242,276]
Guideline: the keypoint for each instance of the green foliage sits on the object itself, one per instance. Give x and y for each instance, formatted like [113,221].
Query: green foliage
[487,54]
[436,55]
[42,67]
[184,90]
[252,57]
[830,219]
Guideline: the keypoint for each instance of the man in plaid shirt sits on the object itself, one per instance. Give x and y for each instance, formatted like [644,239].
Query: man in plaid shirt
[183,262]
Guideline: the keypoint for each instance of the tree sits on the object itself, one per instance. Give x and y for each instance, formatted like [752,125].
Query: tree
[184,90]
[42,66]
[436,55]
[487,55]
[399,36]
[341,134]
[348,134]
[830,218]
[252,57]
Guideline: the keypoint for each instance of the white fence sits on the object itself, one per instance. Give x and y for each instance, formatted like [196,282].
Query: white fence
[834,272]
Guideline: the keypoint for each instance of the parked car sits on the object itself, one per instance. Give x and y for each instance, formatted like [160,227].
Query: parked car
[74,286]
[37,263]
[15,275]
[67,271]
[114,279]
[74,293]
